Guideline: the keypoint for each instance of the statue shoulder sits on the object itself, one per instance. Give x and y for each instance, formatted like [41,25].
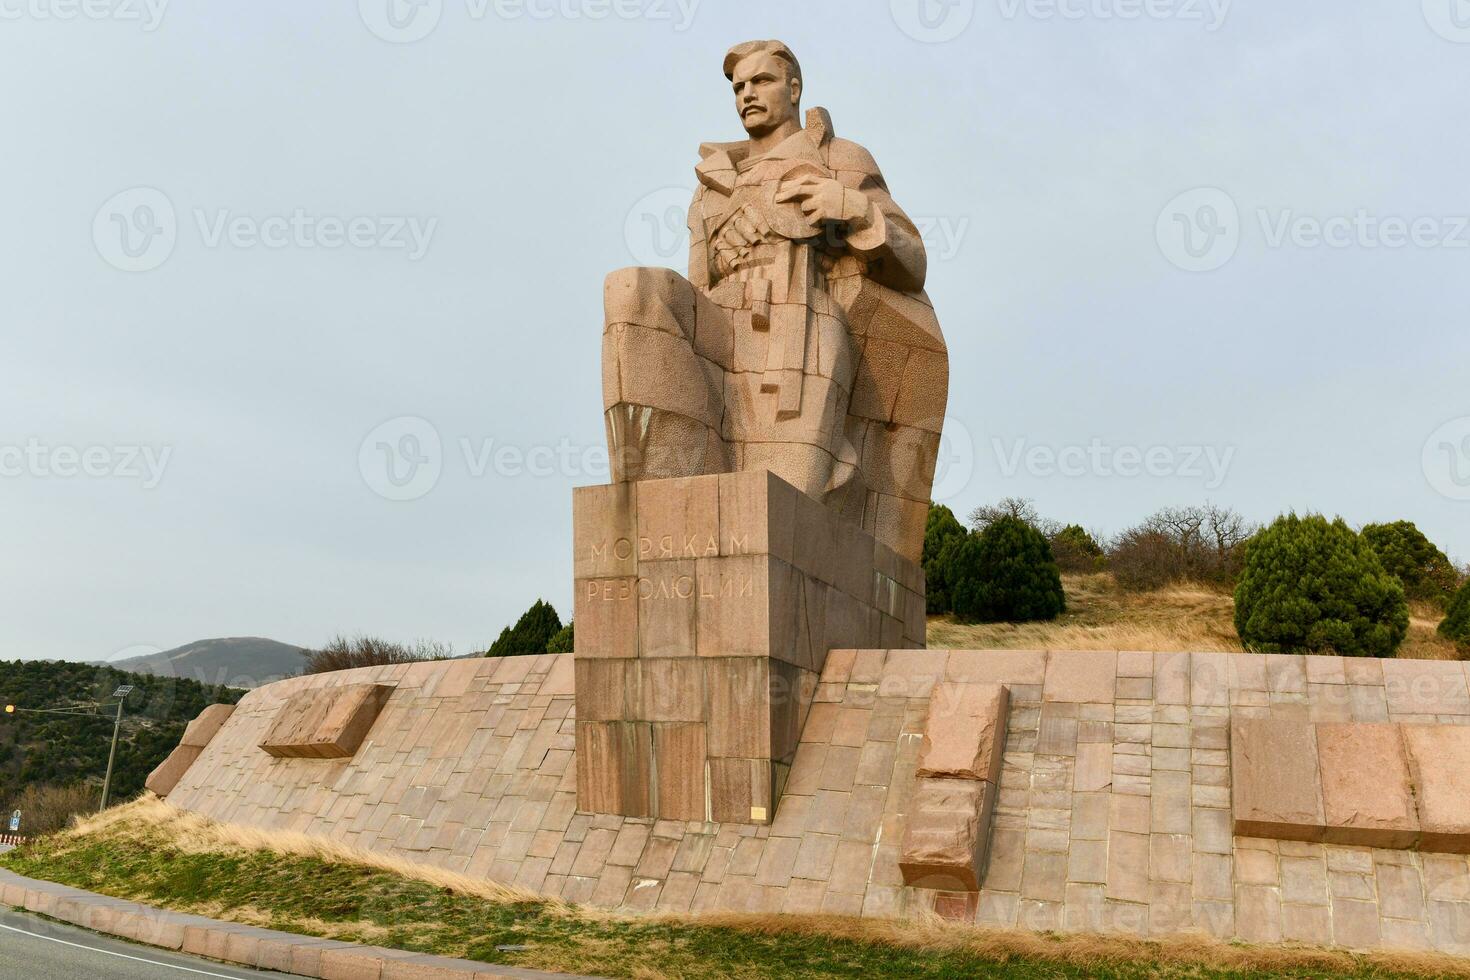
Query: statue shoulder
[847,155]
[716,167]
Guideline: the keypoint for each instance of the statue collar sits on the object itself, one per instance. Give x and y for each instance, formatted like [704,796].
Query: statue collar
[722,162]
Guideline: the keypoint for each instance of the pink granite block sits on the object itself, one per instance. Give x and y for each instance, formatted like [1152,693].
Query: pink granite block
[964,732]
[1439,760]
[1085,678]
[1276,788]
[1366,794]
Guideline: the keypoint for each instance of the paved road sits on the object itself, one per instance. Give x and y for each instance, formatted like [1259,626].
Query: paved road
[32,948]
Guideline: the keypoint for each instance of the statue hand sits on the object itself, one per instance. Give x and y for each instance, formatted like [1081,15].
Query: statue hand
[734,242]
[820,199]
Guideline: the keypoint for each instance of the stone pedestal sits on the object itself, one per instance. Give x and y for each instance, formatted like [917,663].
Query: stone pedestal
[705,608]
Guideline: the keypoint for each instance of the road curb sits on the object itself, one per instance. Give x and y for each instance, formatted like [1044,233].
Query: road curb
[228,942]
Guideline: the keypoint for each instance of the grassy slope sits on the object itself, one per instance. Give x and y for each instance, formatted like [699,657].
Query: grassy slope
[1100,616]
[147,852]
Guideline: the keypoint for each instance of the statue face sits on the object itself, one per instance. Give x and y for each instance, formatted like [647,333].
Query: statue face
[766,95]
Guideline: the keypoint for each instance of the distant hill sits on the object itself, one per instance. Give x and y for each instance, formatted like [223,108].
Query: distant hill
[248,661]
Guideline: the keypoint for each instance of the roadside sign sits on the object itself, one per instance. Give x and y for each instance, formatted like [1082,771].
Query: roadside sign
[15,821]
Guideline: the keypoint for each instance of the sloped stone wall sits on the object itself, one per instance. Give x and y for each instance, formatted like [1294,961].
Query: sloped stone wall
[1113,811]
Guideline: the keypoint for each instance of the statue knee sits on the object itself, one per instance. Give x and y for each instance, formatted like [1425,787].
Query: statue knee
[655,298]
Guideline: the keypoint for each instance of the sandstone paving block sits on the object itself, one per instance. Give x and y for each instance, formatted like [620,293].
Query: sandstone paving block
[1425,687]
[1366,794]
[1276,784]
[1439,759]
[325,723]
[946,834]
[1089,677]
[964,732]
[1009,667]
[162,780]
[207,724]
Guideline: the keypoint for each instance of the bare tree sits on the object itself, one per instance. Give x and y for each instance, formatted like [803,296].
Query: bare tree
[1182,544]
[1018,507]
[342,653]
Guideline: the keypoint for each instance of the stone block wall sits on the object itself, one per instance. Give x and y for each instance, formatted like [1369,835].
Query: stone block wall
[1112,812]
[705,608]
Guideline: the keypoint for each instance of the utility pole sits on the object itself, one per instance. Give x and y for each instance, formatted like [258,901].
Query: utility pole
[122,696]
[93,709]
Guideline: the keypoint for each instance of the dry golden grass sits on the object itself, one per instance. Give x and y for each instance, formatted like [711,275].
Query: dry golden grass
[935,935]
[149,817]
[1180,618]
[151,822]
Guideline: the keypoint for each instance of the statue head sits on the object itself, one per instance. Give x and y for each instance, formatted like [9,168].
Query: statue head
[767,81]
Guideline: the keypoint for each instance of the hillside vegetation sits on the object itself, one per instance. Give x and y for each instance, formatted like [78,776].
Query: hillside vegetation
[63,750]
[1101,615]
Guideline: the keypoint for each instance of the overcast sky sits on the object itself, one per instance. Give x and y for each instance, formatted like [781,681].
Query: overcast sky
[254,253]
